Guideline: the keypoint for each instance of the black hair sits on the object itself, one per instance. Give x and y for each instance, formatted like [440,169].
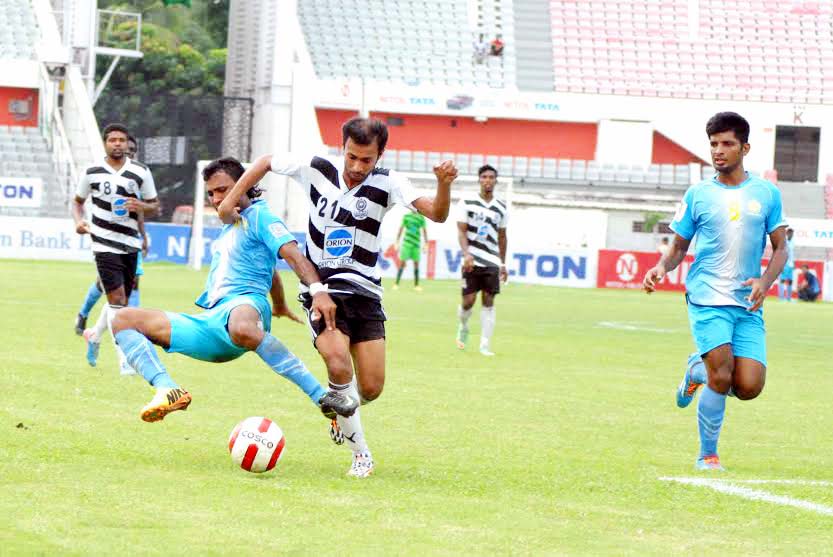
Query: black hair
[728,121]
[114,127]
[233,169]
[486,168]
[133,139]
[363,131]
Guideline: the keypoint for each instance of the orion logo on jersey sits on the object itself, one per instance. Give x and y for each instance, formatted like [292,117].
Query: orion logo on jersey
[120,208]
[483,231]
[338,241]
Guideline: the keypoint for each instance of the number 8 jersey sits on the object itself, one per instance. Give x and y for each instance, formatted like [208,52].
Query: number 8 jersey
[344,224]
[113,228]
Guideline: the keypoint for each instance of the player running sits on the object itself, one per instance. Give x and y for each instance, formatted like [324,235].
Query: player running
[731,214]
[348,198]
[411,246]
[95,290]
[238,317]
[481,231]
[121,189]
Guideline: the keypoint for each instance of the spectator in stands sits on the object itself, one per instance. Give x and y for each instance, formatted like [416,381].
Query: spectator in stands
[481,49]
[496,47]
[808,288]
[663,246]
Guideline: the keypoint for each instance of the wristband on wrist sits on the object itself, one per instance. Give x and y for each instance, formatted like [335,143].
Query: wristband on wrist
[317,287]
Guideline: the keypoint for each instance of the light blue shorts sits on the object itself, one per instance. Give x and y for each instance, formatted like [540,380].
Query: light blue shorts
[787,272]
[205,336]
[713,326]
[139,269]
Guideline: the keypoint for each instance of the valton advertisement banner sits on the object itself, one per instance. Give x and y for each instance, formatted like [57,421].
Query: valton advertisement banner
[625,269]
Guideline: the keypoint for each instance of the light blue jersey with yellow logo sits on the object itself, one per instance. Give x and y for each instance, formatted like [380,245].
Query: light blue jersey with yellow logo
[244,256]
[731,224]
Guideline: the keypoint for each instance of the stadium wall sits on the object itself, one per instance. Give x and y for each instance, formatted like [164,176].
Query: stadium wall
[496,136]
[681,121]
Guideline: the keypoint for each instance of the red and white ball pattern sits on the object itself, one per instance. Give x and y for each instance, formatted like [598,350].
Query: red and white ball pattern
[256,444]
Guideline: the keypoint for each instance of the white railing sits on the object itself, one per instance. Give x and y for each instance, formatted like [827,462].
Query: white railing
[52,126]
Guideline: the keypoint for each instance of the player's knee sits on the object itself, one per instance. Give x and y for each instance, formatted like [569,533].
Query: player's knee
[247,335]
[339,365]
[747,390]
[720,380]
[371,391]
[124,319]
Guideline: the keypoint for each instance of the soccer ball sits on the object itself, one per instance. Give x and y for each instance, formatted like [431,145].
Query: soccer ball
[256,444]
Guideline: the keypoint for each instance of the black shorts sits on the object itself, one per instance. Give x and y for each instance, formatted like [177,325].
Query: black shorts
[359,317]
[486,279]
[116,269]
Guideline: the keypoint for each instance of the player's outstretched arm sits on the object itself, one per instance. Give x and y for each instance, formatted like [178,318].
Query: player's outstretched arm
[668,262]
[436,209]
[760,286]
[227,210]
[322,304]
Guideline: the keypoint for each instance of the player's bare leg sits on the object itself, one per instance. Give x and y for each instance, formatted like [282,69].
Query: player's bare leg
[369,360]
[463,314]
[487,322]
[748,378]
[334,347]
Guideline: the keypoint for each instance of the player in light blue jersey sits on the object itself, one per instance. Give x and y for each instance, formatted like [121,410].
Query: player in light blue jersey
[731,213]
[785,286]
[237,317]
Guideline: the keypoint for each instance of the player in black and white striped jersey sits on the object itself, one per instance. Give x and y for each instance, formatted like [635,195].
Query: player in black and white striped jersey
[348,198]
[481,231]
[121,189]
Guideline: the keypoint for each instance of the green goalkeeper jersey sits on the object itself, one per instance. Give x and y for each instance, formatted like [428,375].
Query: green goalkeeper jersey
[413,223]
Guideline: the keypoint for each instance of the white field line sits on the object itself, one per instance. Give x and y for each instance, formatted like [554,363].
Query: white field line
[632,326]
[817,483]
[725,486]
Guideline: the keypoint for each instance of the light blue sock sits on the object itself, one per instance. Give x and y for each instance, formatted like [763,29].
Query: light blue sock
[710,413]
[789,292]
[133,301]
[93,294]
[142,356]
[286,364]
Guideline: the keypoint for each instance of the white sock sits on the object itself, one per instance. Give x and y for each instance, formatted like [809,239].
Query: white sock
[487,325]
[102,324]
[111,314]
[464,315]
[351,427]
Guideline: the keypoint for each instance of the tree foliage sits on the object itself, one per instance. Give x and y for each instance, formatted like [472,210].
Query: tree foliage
[175,91]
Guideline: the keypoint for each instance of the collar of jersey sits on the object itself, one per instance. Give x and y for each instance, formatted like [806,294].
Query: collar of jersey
[717,182]
[120,170]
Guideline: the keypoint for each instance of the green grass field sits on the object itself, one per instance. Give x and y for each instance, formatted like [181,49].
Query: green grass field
[555,446]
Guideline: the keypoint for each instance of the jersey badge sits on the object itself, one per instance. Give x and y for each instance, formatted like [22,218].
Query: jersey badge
[360,211]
